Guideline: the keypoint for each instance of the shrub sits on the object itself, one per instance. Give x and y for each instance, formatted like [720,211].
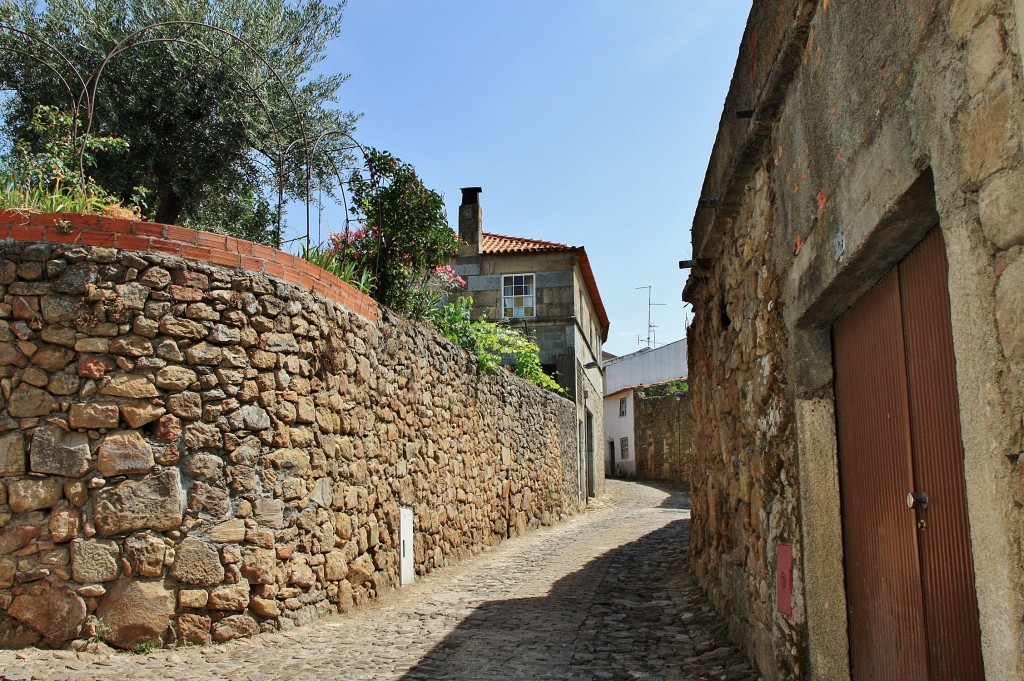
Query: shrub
[492,344]
[46,176]
[144,647]
[403,237]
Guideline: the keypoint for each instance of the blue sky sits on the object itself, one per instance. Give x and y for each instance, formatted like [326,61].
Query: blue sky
[588,122]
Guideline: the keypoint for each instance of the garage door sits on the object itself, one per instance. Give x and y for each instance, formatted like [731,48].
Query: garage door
[913,611]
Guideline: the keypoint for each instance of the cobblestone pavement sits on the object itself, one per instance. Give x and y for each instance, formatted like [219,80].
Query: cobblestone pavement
[607,595]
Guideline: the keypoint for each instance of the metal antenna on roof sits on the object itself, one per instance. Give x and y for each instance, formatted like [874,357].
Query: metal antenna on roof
[650,327]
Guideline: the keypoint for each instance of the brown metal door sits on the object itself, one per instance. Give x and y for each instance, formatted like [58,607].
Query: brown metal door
[947,567]
[883,578]
[909,572]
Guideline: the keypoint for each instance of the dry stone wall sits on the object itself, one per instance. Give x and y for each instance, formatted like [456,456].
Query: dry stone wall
[193,453]
[663,437]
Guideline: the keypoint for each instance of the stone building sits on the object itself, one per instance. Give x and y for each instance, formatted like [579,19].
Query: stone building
[857,352]
[548,290]
[624,378]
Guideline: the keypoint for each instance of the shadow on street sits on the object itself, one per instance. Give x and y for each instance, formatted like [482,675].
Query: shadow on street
[632,613]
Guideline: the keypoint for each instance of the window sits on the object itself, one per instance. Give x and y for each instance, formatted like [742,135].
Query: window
[622,405]
[624,447]
[518,296]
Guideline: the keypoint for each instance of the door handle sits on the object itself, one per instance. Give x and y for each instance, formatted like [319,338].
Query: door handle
[918,501]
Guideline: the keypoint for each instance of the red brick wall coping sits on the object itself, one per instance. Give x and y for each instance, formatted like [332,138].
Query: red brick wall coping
[132,235]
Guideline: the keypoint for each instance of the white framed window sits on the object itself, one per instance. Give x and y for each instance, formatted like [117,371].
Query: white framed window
[623,405]
[518,296]
[624,447]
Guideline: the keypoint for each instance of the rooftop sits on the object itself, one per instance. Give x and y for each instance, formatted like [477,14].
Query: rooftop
[496,243]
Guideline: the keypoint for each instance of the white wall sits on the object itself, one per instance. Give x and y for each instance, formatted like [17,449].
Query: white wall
[617,427]
[645,367]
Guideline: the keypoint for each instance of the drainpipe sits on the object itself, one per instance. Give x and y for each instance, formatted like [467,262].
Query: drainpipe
[581,457]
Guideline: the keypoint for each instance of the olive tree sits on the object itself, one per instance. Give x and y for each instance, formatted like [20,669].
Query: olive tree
[217,99]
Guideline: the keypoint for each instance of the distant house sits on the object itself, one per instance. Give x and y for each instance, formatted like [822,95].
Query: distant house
[548,290]
[624,377]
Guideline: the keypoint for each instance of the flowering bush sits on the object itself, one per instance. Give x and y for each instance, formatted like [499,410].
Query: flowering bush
[443,283]
[348,271]
[354,245]
[447,278]
[403,238]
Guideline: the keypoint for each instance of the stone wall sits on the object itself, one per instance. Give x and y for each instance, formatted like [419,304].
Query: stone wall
[841,145]
[745,482]
[191,452]
[663,437]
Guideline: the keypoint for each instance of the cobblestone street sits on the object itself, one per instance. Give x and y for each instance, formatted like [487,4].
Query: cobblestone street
[607,595]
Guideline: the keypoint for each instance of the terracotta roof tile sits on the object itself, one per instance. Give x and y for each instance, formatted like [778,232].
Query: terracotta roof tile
[496,243]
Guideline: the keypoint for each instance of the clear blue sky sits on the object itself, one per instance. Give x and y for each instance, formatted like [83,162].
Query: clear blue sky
[587,122]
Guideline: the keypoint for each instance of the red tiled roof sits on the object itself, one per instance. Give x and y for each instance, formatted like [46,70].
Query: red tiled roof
[496,244]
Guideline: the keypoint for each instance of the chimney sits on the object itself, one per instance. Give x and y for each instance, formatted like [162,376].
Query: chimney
[471,220]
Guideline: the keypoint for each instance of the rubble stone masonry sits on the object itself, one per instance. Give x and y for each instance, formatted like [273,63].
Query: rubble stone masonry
[664,443]
[843,142]
[745,483]
[194,452]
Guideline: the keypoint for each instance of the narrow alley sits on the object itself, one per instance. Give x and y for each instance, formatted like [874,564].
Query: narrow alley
[607,595]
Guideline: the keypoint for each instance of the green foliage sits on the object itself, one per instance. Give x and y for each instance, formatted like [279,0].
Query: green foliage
[46,177]
[455,323]
[349,272]
[242,213]
[673,387]
[144,647]
[96,628]
[498,340]
[15,194]
[405,235]
[493,344]
[206,117]
[677,386]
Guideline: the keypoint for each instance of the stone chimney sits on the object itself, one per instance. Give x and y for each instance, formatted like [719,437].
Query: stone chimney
[471,219]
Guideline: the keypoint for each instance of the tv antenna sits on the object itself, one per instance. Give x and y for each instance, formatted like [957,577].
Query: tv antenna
[651,343]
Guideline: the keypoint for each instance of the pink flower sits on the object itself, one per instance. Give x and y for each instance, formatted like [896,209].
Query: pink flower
[447,277]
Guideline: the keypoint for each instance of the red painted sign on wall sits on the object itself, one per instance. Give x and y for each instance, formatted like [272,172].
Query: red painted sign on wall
[784,579]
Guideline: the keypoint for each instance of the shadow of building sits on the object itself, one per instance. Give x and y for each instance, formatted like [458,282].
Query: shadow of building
[634,612]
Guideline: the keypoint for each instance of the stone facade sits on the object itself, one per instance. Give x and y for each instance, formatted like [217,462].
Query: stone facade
[744,483]
[193,453]
[568,320]
[664,444]
[854,139]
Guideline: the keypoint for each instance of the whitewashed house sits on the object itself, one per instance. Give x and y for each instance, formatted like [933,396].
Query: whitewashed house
[622,376]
